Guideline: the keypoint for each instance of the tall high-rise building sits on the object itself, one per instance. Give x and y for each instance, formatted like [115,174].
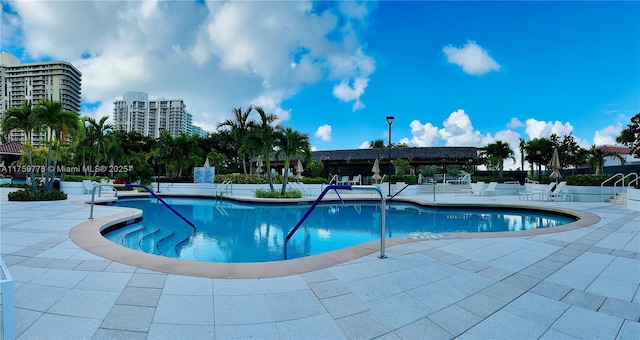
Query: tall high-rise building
[135,112]
[54,80]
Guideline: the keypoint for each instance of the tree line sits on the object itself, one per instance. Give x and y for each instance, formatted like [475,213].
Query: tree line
[87,143]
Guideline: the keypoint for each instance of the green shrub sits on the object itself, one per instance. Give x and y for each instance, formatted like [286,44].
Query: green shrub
[488,179]
[409,179]
[589,180]
[314,180]
[9,185]
[80,178]
[276,194]
[30,195]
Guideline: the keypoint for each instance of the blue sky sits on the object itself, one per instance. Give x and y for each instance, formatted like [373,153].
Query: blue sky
[452,73]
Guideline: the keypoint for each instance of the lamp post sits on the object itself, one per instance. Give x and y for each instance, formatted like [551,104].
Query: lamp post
[539,154]
[160,130]
[390,121]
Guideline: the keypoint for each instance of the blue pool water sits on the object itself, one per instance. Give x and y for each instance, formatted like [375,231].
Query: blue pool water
[231,232]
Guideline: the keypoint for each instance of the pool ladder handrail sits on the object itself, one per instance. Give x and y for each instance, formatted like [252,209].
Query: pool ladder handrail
[615,184]
[143,187]
[345,187]
[223,188]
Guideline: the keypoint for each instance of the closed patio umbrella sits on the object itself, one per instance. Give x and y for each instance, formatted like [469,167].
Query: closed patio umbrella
[376,170]
[299,170]
[555,165]
[259,165]
[206,163]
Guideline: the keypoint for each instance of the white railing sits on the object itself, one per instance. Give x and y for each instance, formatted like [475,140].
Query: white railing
[622,178]
[225,187]
[8,311]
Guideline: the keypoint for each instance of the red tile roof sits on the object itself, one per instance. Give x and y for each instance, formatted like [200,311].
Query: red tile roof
[619,149]
[12,148]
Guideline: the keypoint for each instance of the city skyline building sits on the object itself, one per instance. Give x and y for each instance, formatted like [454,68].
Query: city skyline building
[54,80]
[136,112]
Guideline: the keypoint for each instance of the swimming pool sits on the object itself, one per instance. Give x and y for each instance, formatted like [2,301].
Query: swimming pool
[237,232]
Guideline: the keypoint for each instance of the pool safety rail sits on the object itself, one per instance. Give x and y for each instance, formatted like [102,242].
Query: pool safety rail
[383,216]
[148,190]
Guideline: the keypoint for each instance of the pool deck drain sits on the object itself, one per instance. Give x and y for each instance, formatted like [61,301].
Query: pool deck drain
[581,282]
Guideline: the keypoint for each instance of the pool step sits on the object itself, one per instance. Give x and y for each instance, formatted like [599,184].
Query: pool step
[168,246]
[132,240]
[149,242]
[118,235]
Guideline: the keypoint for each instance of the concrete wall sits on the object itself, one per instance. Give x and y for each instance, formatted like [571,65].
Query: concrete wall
[633,199]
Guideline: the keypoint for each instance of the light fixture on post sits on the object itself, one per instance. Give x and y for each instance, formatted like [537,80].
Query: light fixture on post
[390,121]
[160,130]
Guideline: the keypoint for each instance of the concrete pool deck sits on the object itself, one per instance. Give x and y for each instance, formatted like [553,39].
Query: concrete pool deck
[580,283]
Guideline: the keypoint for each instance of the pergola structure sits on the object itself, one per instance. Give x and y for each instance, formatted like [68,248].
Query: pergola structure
[360,161]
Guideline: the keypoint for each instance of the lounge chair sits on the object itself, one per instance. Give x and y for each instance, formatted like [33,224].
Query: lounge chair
[88,186]
[530,194]
[489,190]
[357,180]
[556,193]
[474,189]
[344,180]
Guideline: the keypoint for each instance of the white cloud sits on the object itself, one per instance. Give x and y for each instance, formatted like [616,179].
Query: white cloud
[458,131]
[422,135]
[222,54]
[324,132]
[607,136]
[364,145]
[515,123]
[348,93]
[472,58]
[541,129]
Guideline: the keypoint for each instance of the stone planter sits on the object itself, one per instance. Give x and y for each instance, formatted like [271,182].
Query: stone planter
[72,188]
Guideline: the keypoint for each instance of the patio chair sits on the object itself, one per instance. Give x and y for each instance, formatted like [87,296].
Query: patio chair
[474,189]
[557,192]
[490,189]
[88,186]
[344,180]
[355,181]
[530,194]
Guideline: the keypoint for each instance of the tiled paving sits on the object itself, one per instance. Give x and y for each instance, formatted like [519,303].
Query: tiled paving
[581,283]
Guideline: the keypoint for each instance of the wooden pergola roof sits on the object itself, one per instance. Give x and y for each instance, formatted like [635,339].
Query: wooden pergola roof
[415,156]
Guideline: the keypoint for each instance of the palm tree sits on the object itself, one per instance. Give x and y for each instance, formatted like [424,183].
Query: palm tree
[292,143]
[23,118]
[96,141]
[539,151]
[596,159]
[59,122]
[239,126]
[264,134]
[498,151]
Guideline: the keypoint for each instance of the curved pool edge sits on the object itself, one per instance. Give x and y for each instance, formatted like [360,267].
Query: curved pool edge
[88,237]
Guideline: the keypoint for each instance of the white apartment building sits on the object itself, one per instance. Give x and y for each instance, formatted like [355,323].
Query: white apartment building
[135,112]
[55,80]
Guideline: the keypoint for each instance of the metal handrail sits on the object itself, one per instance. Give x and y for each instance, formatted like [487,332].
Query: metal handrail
[615,184]
[607,180]
[223,187]
[93,194]
[334,178]
[396,194]
[344,187]
[138,186]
